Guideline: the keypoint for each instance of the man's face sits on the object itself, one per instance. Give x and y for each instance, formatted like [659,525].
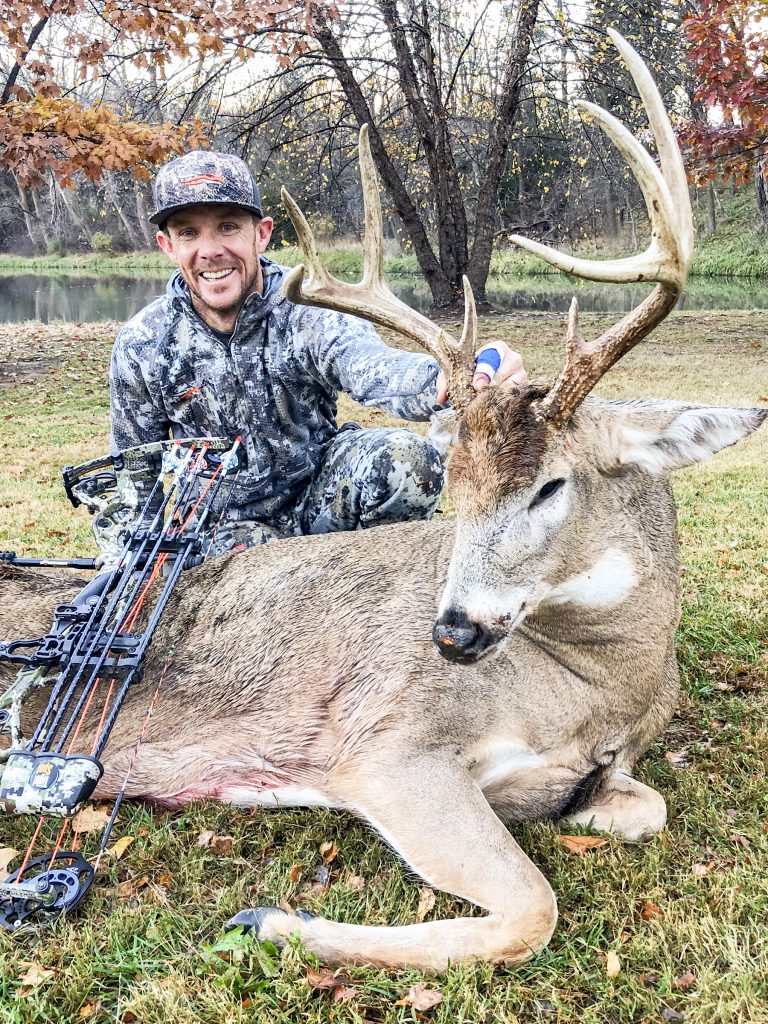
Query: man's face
[217,250]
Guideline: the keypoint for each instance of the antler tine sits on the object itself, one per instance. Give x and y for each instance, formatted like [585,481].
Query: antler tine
[310,283]
[665,261]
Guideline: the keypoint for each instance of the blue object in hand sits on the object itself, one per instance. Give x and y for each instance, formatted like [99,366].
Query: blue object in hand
[488,362]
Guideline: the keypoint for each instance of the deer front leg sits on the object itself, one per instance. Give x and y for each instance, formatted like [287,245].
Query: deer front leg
[626,807]
[438,820]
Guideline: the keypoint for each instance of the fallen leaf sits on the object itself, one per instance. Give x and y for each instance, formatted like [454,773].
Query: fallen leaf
[88,1010]
[117,849]
[294,874]
[678,758]
[426,902]
[703,869]
[204,839]
[345,994]
[421,998]
[6,856]
[669,1014]
[612,964]
[221,846]
[329,852]
[686,980]
[91,819]
[356,882]
[325,980]
[34,977]
[581,845]
[651,910]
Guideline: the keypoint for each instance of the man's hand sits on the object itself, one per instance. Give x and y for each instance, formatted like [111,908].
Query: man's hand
[495,364]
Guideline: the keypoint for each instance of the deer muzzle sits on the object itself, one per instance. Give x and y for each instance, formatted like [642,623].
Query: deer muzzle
[458,638]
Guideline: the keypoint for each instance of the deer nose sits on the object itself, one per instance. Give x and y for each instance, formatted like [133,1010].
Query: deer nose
[458,638]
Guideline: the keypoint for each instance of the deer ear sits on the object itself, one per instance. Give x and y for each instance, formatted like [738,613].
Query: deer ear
[660,436]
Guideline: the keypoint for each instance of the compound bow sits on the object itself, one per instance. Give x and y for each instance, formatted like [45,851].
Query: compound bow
[94,651]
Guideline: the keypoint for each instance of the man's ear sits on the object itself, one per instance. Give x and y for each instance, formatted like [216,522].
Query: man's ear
[660,436]
[166,245]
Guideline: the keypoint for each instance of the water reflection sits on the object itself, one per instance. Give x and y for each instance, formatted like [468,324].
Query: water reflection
[77,299]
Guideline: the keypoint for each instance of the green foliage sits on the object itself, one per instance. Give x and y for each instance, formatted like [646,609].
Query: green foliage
[102,242]
[54,247]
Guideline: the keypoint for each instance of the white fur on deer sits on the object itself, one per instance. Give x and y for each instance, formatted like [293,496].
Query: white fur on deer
[552,604]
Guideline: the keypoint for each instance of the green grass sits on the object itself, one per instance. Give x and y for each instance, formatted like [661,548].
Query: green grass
[144,947]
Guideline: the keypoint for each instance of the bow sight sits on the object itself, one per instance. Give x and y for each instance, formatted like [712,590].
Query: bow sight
[156,511]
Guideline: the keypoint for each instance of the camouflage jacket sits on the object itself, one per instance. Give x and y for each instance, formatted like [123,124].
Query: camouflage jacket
[275,383]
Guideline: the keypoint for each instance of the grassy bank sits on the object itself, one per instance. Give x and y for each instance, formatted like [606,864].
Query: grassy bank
[685,915]
[742,254]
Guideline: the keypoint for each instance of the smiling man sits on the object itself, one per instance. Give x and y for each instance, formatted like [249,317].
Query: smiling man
[224,353]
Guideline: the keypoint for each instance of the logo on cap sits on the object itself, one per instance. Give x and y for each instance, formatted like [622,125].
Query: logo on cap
[201,179]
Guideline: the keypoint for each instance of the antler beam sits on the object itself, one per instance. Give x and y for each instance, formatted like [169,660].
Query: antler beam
[666,260]
[310,283]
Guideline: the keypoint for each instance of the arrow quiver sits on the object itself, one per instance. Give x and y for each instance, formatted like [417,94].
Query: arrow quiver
[156,511]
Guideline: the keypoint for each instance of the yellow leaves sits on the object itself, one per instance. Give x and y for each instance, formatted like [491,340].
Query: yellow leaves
[581,845]
[91,819]
[612,965]
[7,855]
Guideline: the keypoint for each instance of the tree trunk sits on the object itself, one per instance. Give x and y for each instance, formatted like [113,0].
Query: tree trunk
[762,192]
[441,288]
[611,227]
[498,144]
[711,214]
[42,221]
[29,217]
[80,222]
[143,216]
[109,183]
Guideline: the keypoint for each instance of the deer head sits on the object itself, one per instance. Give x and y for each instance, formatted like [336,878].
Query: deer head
[560,499]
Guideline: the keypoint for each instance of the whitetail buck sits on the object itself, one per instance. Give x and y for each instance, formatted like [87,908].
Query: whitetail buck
[439,680]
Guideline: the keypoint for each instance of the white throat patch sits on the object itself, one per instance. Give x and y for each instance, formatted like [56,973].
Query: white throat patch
[609,582]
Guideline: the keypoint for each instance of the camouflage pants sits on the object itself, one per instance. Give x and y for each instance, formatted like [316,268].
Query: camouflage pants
[367,477]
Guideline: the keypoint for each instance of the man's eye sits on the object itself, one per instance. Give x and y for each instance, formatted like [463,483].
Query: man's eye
[229,227]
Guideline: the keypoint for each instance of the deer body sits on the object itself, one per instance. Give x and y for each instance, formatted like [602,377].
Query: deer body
[304,672]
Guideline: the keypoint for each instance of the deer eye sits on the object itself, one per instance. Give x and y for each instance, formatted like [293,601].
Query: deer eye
[547,491]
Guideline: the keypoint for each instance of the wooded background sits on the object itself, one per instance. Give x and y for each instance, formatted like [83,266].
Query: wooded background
[469,102]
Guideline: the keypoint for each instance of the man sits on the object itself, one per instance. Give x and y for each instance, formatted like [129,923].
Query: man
[223,353]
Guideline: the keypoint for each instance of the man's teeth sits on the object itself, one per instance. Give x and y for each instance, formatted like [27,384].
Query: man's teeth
[214,275]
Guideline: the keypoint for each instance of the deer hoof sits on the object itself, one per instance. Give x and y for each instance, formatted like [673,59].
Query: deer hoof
[252,919]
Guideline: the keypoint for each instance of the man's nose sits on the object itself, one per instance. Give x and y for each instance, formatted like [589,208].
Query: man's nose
[209,246]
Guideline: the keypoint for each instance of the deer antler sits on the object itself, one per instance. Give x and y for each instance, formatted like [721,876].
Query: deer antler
[665,261]
[371,299]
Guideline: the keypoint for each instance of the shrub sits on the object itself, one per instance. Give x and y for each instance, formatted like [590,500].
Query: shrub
[102,242]
[54,247]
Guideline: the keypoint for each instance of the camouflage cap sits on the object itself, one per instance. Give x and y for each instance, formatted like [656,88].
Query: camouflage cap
[204,177]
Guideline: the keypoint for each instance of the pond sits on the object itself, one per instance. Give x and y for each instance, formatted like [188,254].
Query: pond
[80,299]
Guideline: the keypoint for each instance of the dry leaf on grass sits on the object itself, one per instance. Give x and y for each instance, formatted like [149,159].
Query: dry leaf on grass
[91,819]
[294,874]
[117,849]
[581,845]
[345,994]
[678,758]
[612,964]
[220,846]
[703,869]
[329,852]
[687,980]
[89,1010]
[325,980]
[421,998]
[426,902]
[34,977]
[651,910]
[6,856]
[356,882]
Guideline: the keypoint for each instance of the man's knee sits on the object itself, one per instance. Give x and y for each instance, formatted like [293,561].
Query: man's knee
[405,479]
